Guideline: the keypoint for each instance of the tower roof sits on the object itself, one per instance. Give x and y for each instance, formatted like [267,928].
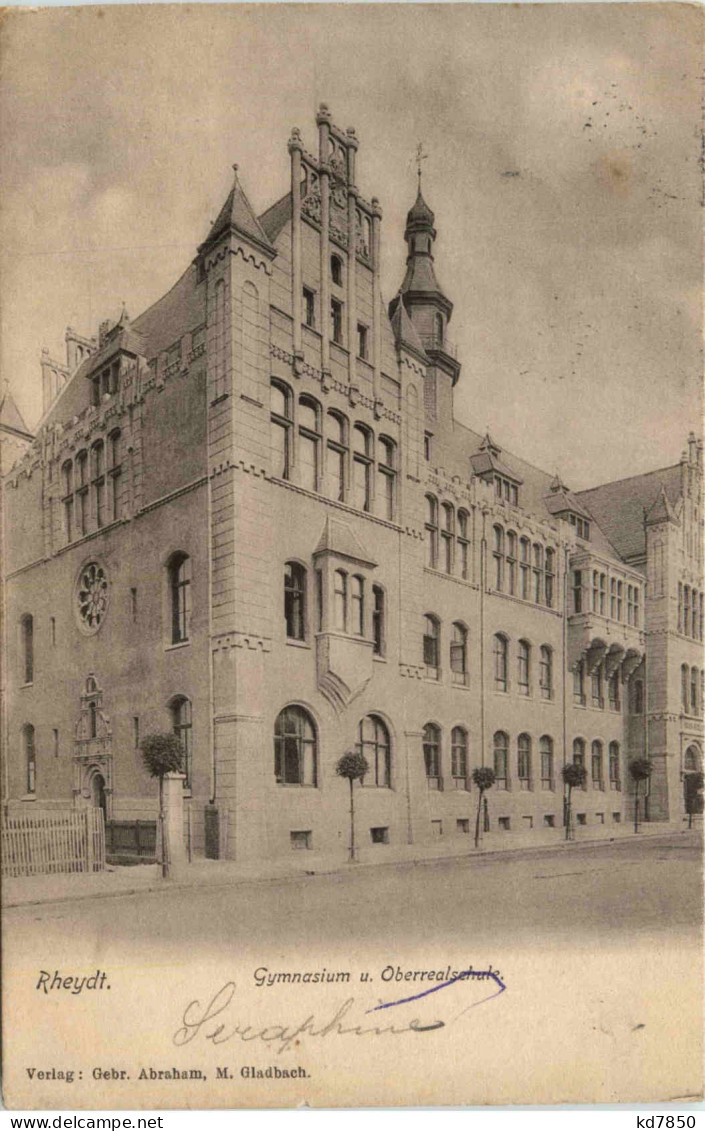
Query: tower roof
[10,416]
[237,213]
[419,215]
[420,284]
[405,333]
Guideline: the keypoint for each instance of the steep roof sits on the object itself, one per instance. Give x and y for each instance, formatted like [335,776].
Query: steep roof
[10,416]
[405,333]
[340,539]
[276,216]
[619,507]
[561,500]
[238,213]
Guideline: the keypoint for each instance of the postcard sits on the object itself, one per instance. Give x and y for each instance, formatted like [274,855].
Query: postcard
[352,535]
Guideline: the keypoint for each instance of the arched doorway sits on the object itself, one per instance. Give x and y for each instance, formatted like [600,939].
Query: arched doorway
[693,781]
[98,797]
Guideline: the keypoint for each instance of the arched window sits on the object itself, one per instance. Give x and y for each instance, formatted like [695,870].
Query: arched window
[546,754]
[432,754]
[388,476]
[501,759]
[181,723]
[362,468]
[636,687]
[27,646]
[525,567]
[282,429]
[694,691]
[538,573]
[180,597]
[463,544]
[459,756]
[309,456]
[67,488]
[524,761]
[613,691]
[373,742]
[691,760]
[598,781]
[357,605]
[501,647]
[295,748]
[459,654]
[546,672]
[498,556]
[550,577]
[92,719]
[379,628]
[614,771]
[511,562]
[340,600]
[82,493]
[431,531]
[115,473]
[336,455]
[432,646]
[596,690]
[524,668]
[295,600]
[448,536]
[98,456]
[684,689]
[30,763]
[336,270]
[579,751]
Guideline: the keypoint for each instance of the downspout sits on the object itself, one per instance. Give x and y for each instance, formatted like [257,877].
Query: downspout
[483,554]
[565,654]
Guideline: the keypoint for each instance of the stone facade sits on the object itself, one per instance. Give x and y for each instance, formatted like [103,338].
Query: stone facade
[250,515]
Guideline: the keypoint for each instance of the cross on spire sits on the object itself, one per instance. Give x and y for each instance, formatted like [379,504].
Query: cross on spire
[419,157]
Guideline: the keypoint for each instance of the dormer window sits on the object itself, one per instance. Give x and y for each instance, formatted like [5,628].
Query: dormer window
[506,490]
[582,526]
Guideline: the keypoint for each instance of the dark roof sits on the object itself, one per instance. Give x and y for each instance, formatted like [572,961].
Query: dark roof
[11,417]
[405,333]
[340,539]
[419,215]
[238,213]
[619,507]
[274,219]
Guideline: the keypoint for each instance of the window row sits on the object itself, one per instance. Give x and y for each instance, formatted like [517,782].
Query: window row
[352,611]
[91,486]
[597,763]
[692,690]
[336,326]
[690,612]
[505,764]
[296,749]
[597,684]
[522,569]
[324,454]
[458,652]
[447,540]
[596,592]
[524,667]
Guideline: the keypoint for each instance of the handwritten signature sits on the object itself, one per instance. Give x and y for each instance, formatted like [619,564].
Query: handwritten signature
[209,1022]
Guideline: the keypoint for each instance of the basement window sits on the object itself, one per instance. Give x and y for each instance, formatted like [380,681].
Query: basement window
[549,821]
[380,835]
[504,824]
[300,838]
[462,825]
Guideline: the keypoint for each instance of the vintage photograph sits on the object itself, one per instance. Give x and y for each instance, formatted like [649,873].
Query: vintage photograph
[352,555]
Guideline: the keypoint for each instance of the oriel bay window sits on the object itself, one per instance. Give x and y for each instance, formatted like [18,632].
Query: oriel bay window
[362,468]
[295,748]
[309,443]
[459,756]
[340,600]
[336,455]
[295,600]
[432,646]
[357,605]
[373,742]
[282,428]
[432,755]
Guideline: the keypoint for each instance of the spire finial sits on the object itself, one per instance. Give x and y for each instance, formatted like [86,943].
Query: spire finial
[420,156]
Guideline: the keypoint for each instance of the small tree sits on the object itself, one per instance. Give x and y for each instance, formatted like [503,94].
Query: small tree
[484,779]
[353,766]
[693,801]
[640,770]
[574,777]
[162,754]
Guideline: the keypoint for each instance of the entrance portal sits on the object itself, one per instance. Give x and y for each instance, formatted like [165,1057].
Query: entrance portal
[98,794]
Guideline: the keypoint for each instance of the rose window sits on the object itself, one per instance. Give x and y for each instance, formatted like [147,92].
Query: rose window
[92,596]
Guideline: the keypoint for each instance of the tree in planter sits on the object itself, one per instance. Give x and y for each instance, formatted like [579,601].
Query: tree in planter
[574,776]
[484,779]
[162,754]
[353,766]
[692,795]
[640,770]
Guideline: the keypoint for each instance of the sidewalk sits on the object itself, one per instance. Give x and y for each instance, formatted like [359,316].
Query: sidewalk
[123,881]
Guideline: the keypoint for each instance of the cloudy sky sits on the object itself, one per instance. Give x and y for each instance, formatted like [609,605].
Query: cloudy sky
[564,172]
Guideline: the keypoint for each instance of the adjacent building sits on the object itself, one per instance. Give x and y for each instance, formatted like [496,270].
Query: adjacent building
[249,515]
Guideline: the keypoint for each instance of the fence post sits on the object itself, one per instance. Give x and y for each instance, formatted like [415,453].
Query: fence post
[90,848]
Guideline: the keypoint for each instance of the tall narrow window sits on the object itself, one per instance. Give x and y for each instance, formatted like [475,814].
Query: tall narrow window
[30,760]
[336,321]
[694,617]
[525,567]
[685,700]
[597,769]
[546,753]
[615,776]
[596,692]
[295,600]
[309,442]
[373,742]
[613,598]
[357,605]
[362,468]
[501,759]
[27,645]
[693,691]
[680,606]
[524,761]
[459,756]
[309,308]
[431,531]
[546,672]
[387,476]
[579,753]
[340,600]
[282,427]
[501,646]
[295,748]
[362,341]
[432,754]
[459,654]
[378,620]
[67,483]
[637,611]
[550,578]
[613,691]
[180,594]
[538,573]
[595,591]
[579,683]
[336,455]
[336,270]
[577,591]
[603,594]
[448,536]
[463,544]
[637,696]
[620,590]
[524,668]
[115,473]
[686,609]
[98,454]
[498,556]
[431,647]
[82,493]
[182,727]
